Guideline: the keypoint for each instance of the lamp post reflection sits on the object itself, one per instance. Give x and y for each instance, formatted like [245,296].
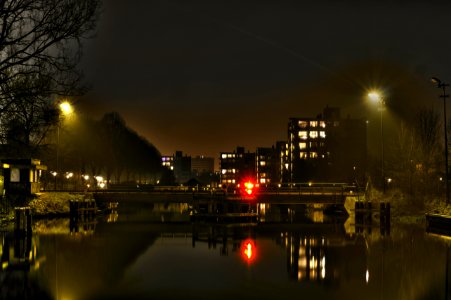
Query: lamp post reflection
[377,98]
[443,86]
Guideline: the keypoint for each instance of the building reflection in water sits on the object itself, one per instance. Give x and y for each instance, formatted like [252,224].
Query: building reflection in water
[306,257]
[238,237]
[325,259]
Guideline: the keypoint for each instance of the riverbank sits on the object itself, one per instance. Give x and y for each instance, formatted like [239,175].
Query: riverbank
[408,210]
[49,205]
[404,210]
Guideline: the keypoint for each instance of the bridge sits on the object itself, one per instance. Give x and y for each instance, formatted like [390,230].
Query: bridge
[293,193]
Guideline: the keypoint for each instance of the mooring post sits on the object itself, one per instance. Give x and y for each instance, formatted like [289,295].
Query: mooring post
[22,220]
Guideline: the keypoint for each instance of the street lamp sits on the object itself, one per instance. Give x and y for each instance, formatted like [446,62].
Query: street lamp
[66,109]
[442,85]
[376,97]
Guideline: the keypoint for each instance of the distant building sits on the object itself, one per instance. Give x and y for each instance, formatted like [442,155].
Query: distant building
[168,162]
[284,163]
[202,164]
[268,166]
[182,167]
[186,167]
[237,166]
[326,148]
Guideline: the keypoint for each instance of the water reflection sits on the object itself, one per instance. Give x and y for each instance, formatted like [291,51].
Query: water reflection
[154,251]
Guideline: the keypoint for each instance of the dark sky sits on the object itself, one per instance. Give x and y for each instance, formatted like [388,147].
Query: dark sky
[207,76]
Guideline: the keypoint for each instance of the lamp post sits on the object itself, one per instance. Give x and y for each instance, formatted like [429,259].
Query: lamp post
[65,110]
[442,85]
[376,97]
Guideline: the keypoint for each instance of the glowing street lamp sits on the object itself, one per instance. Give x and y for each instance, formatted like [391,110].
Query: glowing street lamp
[66,110]
[377,98]
[442,85]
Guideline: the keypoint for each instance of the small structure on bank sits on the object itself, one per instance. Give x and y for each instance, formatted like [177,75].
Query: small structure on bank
[22,176]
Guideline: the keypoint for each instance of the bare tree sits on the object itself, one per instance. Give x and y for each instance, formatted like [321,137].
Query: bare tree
[40,47]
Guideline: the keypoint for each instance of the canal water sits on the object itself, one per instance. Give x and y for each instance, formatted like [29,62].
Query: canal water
[153,251]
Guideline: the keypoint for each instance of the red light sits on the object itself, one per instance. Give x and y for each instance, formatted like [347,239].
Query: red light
[248,187]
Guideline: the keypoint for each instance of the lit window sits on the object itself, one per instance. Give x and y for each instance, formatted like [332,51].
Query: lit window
[303,124]
[223,171]
[313,155]
[286,166]
[313,134]
[313,123]
[224,155]
[322,134]
[303,135]
[263,163]
[302,145]
[303,155]
[262,180]
[322,124]
[233,180]
[233,171]
[229,155]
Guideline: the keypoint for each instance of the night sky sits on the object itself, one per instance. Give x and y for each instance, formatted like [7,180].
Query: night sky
[207,76]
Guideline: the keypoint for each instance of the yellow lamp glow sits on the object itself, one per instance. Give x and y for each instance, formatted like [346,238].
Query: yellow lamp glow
[374,96]
[66,108]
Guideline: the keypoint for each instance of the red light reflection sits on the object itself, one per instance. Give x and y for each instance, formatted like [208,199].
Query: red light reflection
[248,250]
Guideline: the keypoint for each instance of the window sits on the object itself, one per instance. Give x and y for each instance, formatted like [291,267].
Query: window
[263,163]
[223,155]
[322,124]
[313,134]
[303,155]
[303,124]
[303,135]
[15,175]
[313,123]
[322,134]
[302,145]
[313,155]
